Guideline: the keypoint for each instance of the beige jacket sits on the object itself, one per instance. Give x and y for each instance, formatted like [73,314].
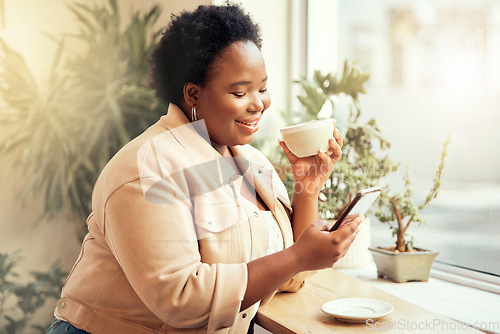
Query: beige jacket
[169,237]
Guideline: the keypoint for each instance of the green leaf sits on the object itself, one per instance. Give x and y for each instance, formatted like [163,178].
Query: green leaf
[63,135]
[19,88]
[25,297]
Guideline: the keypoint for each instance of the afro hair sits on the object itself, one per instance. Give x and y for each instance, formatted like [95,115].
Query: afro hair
[190,44]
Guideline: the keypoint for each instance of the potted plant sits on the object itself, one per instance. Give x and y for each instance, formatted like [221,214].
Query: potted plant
[365,163]
[403,262]
[365,160]
[64,130]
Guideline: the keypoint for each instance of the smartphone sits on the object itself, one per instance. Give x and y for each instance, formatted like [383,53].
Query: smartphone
[358,205]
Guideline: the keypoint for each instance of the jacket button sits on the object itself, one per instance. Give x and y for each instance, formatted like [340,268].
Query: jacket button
[210,222]
[63,304]
[231,184]
[244,315]
[255,213]
[259,171]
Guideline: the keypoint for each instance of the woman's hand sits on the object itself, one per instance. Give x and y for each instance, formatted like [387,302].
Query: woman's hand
[318,248]
[310,173]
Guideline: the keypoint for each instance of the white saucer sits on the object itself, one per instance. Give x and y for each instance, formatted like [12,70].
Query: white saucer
[357,310]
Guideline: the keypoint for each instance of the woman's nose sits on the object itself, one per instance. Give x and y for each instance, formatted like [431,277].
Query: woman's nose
[257,103]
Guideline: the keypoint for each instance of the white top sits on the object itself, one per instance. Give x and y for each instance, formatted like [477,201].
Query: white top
[275,241]
[275,237]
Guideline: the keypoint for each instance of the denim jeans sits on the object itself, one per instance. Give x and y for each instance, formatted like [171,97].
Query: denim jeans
[63,327]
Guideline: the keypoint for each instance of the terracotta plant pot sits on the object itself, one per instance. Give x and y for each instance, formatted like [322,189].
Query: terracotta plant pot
[403,267]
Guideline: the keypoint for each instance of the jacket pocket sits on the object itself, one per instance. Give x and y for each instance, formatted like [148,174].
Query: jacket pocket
[214,216]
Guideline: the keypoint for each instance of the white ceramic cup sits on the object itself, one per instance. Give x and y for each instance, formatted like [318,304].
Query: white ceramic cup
[308,138]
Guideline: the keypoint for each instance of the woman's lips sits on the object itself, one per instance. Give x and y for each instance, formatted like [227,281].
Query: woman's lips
[249,127]
[249,123]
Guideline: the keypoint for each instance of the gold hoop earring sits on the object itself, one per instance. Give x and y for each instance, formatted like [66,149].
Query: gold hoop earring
[194,118]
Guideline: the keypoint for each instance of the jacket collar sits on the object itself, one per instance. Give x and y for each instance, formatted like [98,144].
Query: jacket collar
[194,137]
[191,135]
[258,175]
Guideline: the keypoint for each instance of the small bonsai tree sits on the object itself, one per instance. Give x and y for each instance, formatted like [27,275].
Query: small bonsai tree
[400,207]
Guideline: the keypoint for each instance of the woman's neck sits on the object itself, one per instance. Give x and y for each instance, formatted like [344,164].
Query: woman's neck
[222,149]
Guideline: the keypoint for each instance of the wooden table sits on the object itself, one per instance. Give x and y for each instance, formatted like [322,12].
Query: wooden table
[300,312]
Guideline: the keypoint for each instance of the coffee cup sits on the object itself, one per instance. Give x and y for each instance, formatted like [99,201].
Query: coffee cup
[306,139]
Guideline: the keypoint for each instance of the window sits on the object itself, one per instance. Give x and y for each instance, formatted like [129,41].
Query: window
[435,68]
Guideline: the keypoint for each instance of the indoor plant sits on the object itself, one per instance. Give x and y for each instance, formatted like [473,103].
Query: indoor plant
[365,160]
[19,302]
[365,153]
[61,129]
[403,262]
[64,130]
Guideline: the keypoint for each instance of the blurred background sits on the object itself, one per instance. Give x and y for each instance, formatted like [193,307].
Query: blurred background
[434,68]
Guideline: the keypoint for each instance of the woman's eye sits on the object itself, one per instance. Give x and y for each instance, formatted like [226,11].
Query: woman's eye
[263,90]
[239,94]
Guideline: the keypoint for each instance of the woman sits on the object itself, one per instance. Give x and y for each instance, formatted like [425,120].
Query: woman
[191,227]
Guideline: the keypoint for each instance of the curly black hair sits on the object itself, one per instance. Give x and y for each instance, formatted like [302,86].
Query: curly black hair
[190,44]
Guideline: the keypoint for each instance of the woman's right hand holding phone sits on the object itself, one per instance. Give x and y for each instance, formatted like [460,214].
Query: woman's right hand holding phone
[318,248]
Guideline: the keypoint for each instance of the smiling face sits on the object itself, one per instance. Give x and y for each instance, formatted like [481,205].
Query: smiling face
[233,98]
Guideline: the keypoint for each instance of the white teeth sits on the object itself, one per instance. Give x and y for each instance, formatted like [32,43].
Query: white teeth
[249,124]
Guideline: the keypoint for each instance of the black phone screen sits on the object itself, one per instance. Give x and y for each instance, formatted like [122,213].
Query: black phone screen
[358,205]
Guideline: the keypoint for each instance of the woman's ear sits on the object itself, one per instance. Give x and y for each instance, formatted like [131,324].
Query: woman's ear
[191,94]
